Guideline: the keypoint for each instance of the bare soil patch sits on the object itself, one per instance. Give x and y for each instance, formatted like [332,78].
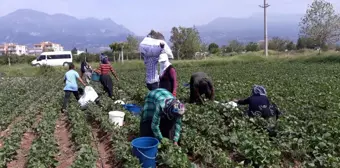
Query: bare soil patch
[66,154]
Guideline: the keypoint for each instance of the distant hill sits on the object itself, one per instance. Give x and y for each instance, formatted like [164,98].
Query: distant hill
[222,30]
[28,27]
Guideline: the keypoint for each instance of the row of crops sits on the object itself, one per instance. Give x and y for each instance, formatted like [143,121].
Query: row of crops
[212,136]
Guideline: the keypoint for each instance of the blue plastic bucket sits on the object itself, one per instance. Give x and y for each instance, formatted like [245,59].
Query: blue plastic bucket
[145,149]
[95,76]
[135,109]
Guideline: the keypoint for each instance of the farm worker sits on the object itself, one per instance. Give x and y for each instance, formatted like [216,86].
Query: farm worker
[161,116]
[168,75]
[259,105]
[101,57]
[150,48]
[201,84]
[105,79]
[71,85]
[84,67]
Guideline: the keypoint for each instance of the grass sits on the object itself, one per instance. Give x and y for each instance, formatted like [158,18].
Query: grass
[308,57]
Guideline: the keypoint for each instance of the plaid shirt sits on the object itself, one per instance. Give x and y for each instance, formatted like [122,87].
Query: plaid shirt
[154,105]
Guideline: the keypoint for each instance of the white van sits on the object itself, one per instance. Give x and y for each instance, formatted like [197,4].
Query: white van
[58,58]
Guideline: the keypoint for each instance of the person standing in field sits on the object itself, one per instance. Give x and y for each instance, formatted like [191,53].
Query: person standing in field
[71,86]
[168,75]
[102,56]
[161,116]
[86,70]
[105,79]
[150,48]
[201,84]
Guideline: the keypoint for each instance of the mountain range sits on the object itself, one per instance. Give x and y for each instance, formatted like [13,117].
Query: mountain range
[26,26]
[222,30]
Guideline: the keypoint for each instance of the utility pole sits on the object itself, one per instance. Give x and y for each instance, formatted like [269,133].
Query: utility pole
[265,6]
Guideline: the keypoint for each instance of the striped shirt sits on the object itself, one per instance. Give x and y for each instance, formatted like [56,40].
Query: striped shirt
[105,69]
[153,107]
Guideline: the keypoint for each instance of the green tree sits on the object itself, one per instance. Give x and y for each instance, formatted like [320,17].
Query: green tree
[204,47]
[117,47]
[74,51]
[235,46]
[300,44]
[156,35]
[213,48]
[132,43]
[186,42]
[277,44]
[252,46]
[321,23]
[291,46]
[305,42]
[337,48]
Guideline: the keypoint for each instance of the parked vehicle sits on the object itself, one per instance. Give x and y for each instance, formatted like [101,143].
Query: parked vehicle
[59,58]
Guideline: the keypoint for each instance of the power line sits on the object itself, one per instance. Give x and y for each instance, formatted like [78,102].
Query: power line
[265,6]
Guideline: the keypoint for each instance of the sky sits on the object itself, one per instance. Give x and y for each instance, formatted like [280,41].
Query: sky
[142,16]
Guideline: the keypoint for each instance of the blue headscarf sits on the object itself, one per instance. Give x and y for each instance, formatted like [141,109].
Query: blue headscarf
[259,90]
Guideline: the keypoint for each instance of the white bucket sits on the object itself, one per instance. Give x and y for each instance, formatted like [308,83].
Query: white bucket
[117,117]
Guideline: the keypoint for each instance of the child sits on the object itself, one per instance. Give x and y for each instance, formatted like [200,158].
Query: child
[71,86]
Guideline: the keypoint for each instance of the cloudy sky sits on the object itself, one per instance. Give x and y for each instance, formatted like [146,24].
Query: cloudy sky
[142,15]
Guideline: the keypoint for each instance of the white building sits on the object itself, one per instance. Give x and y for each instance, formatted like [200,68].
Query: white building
[13,49]
[48,46]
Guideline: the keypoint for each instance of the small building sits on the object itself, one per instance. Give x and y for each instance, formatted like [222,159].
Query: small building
[13,49]
[48,46]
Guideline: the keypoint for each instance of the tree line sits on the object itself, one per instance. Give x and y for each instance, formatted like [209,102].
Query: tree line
[319,29]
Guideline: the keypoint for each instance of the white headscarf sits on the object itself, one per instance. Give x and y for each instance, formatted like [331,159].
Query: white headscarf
[164,63]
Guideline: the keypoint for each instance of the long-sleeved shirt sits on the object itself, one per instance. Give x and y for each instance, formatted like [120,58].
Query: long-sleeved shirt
[195,80]
[105,69]
[150,50]
[153,107]
[168,80]
[255,102]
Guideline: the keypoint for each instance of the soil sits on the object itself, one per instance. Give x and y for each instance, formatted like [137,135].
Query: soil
[25,145]
[103,142]
[5,133]
[66,154]
[23,151]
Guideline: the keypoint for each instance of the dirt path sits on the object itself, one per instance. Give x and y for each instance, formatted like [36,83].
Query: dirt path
[104,145]
[20,159]
[66,154]
[25,145]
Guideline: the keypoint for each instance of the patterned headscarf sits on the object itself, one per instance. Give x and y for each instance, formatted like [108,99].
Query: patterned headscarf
[173,107]
[259,90]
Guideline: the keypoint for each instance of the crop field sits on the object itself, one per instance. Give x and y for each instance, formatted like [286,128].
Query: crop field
[35,134]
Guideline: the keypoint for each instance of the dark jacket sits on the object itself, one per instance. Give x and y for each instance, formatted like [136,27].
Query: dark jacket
[168,80]
[200,84]
[260,105]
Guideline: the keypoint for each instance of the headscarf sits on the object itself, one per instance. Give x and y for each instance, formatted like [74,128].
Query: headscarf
[105,60]
[164,63]
[173,107]
[259,90]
